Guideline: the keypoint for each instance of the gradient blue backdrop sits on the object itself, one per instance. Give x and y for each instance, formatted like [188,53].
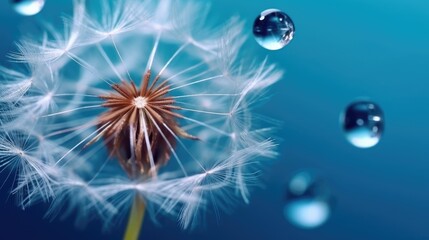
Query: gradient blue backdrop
[343,50]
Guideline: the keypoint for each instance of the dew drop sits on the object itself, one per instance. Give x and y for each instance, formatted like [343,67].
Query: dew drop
[308,201]
[273,29]
[363,124]
[28,7]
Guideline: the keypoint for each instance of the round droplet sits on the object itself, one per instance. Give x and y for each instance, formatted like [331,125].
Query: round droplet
[308,201]
[273,29]
[28,7]
[363,124]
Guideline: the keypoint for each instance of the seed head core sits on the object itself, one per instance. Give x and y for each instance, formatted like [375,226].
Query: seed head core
[140,125]
[140,102]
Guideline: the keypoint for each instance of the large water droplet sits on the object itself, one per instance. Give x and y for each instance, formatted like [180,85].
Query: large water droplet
[363,124]
[308,201]
[273,29]
[28,7]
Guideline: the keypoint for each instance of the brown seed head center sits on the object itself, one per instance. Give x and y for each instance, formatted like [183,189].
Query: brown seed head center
[140,126]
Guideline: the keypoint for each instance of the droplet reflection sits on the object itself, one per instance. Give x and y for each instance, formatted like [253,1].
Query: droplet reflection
[273,29]
[363,124]
[308,201]
[28,7]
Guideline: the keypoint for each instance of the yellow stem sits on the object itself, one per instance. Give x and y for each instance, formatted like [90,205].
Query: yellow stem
[136,219]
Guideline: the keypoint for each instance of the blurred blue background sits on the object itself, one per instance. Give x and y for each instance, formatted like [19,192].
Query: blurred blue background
[343,50]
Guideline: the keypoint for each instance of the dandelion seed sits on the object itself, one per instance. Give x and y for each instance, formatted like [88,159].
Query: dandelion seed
[132,104]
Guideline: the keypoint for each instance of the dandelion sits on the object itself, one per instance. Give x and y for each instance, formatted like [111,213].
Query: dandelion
[141,102]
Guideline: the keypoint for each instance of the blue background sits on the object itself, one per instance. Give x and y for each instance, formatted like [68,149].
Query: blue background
[343,50]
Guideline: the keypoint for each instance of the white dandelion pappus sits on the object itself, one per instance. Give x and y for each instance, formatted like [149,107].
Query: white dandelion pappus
[138,101]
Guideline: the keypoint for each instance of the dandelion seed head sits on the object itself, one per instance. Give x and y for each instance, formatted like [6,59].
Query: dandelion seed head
[138,99]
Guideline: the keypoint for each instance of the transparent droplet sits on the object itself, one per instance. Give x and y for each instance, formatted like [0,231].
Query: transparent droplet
[28,7]
[273,29]
[308,201]
[363,124]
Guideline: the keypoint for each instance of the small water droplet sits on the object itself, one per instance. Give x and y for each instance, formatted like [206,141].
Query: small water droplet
[28,7]
[308,201]
[273,29]
[363,124]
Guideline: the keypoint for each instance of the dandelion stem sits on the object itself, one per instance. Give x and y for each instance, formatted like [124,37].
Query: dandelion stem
[136,219]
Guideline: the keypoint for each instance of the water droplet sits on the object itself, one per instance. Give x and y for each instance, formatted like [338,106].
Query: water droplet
[308,201]
[363,124]
[273,29]
[28,7]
